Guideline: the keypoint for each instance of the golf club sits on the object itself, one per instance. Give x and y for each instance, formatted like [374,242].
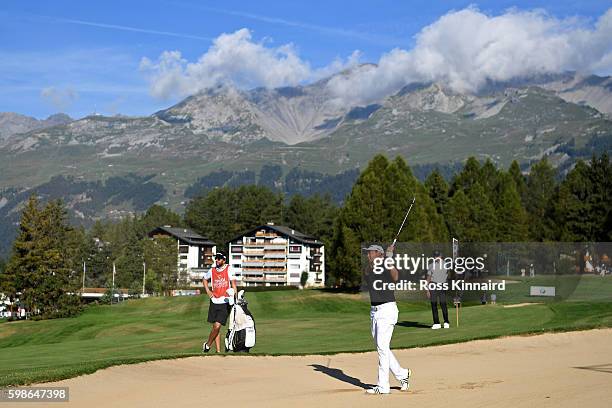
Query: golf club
[403,222]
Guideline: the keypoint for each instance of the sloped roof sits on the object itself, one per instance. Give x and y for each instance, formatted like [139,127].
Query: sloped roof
[184,234]
[286,231]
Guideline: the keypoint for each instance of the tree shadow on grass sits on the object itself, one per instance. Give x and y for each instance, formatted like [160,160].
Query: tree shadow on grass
[413,324]
[340,375]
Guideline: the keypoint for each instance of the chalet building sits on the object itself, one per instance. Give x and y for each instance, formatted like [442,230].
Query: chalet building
[195,252]
[275,255]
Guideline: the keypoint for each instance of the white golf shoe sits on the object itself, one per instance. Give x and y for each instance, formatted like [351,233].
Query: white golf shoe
[376,391]
[405,382]
[446,326]
[436,326]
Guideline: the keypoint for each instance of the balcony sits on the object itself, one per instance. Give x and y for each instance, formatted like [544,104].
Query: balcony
[269,245]
[272,264]
[254,245]
[252,279]
[253,263]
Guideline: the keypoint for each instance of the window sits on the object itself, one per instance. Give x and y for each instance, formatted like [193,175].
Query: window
[236,266]
[295,249]
[294,275]
[183,249]
[237,249]
[236,256]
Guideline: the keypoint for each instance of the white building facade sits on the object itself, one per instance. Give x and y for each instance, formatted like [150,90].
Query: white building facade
[275,255]
[195,253]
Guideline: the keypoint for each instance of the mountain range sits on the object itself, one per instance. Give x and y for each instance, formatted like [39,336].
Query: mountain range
[563,116]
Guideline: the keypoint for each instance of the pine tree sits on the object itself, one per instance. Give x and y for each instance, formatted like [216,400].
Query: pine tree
[364,209]
[582,205]
[40,264]
[572,208]
[489,178]
[601,197]
[519,180]
[538,196]
[458,216]
[23,269]
[344,262]
[161,257]
[157,216]
[314,215]
[469,176]
[226,212]
[129,262]
[512,220]
[437,188]
[471,216]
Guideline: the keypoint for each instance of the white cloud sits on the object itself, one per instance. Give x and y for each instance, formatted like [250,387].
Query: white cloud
[463,49]
[232,59]
[60,99]
[466,48]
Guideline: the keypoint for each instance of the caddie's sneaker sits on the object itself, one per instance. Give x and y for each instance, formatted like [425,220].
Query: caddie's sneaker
[405,382]
[376,390]
[446,326]
[436,326]
[205,347]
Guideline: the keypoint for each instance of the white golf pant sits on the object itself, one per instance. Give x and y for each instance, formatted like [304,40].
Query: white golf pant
[384,318]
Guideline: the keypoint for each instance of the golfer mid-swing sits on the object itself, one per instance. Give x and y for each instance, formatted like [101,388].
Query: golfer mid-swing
[221,277]
[384,314]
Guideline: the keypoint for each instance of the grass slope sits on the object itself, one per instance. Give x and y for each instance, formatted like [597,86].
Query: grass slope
[288,322]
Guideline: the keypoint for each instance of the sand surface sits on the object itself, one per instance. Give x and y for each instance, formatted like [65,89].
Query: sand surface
[550,370]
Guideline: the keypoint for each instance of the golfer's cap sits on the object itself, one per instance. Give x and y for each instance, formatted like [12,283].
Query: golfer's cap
[374,248]
[219,255]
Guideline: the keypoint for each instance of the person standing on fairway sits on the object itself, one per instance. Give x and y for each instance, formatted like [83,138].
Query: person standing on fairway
[438,274]
[384,314]
[221,278]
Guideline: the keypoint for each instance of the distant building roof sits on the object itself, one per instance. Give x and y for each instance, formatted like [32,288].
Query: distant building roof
[183,234]
[286,231]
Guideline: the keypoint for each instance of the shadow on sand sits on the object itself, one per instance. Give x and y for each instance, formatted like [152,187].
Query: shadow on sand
[340,375]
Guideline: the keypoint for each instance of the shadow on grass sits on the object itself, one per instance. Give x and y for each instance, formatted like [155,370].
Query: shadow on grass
[413,324]
[340,375]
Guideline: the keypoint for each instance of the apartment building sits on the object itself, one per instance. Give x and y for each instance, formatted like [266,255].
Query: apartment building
[195,253]
[276,255]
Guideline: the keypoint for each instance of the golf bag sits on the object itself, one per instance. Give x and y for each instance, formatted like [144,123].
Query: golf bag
[241,328]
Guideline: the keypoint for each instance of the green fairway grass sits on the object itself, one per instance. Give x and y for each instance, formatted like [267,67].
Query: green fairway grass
[288,322]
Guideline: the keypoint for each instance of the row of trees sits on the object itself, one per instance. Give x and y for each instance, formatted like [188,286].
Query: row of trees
[481,203]
[52,260]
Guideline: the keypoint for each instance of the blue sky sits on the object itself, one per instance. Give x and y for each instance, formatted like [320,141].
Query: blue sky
[81,56]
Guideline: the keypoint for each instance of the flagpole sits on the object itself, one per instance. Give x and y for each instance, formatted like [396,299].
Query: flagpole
[113,290]
[144,276]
